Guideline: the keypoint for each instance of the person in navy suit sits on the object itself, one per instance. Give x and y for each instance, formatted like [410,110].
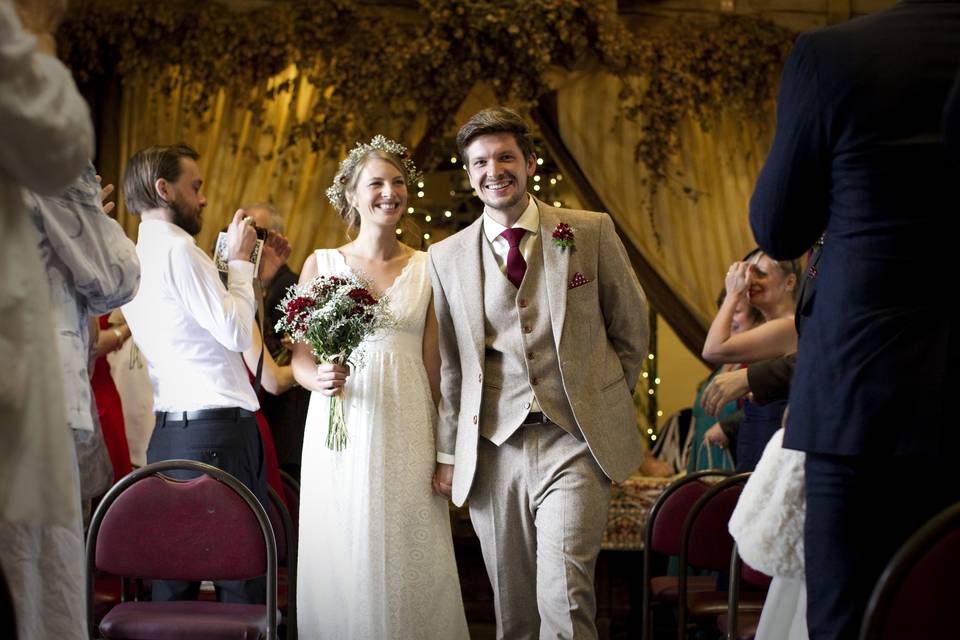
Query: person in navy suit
[859,155]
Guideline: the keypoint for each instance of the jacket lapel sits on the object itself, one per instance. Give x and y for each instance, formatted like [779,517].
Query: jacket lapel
[469,274]
[556,262]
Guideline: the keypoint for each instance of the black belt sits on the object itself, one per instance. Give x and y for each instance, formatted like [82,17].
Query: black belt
[226,413]
[535,417]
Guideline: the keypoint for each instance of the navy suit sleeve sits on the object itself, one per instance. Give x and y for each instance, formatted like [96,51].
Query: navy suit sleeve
[951,121]
[788,210]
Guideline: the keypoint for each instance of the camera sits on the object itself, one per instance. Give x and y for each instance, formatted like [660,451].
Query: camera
[261,232]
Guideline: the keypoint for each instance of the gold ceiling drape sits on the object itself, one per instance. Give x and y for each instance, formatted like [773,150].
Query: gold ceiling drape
[698,241]
[239,161]
[241,164]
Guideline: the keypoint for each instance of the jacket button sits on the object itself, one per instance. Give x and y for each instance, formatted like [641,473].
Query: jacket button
[479,377]
[474,419]
[531,355]
[522,303]
[527,328]
[535,381]
[526,405]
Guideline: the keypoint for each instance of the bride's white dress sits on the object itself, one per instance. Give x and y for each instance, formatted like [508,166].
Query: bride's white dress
[376,555]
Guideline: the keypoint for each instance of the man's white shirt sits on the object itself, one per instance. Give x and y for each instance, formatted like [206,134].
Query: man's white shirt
[191,328]
[528,220]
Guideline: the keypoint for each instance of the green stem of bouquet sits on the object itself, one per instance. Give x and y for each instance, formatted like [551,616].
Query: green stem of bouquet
[337,429]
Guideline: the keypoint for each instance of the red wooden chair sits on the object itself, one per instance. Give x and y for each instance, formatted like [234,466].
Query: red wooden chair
[286,536]
[662,537]
[739,624]
[917,594]
[209,528]
[705,543]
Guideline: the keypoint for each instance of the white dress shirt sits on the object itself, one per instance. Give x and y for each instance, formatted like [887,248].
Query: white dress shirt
[529,220]
[191,329]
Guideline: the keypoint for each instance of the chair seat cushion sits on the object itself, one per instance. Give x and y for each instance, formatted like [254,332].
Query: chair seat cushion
[185,620]
[709,604]
[747,624]
[664,588]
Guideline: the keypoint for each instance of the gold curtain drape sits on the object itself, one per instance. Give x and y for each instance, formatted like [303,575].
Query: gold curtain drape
[698,240]
[240,162]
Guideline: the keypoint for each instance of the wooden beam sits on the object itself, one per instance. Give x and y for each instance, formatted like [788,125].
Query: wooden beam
[686,324]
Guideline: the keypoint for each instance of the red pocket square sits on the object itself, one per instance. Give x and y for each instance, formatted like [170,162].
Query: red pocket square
[578,281]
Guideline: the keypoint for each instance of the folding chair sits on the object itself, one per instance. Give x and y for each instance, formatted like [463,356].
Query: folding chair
[209,528]
[662,537]
[705,543]
[286,535]
[917,594]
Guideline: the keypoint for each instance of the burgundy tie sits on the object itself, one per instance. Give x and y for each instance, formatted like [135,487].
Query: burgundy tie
[516,265]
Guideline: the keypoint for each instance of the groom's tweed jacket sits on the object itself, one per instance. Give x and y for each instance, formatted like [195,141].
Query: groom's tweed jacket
[598,329]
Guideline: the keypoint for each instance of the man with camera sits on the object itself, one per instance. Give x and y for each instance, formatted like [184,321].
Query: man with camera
[192,329]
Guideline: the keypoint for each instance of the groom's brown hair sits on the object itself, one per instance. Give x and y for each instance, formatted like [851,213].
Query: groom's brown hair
[495,120]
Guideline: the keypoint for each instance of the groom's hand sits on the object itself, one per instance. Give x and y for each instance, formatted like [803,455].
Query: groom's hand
[443,480]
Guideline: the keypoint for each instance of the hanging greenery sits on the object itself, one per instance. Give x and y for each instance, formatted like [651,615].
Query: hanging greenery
[371,68]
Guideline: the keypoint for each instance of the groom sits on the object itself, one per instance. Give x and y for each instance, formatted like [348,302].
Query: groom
[542,345]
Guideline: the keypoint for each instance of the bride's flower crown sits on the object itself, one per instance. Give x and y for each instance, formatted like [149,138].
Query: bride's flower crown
[336,193]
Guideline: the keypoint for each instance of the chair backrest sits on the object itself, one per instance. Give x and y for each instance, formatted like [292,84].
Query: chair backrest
[705,541]
[291,494]
[209,528]
[281,524]
[665,523]
[917,593]
[286,534]
[740,573]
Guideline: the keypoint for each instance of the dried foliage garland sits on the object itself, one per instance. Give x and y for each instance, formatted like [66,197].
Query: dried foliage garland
[369,67]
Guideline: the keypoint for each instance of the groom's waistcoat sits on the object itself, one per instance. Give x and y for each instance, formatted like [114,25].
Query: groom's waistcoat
[520,361]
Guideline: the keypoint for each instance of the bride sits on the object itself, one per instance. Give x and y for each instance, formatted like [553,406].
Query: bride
[376,554]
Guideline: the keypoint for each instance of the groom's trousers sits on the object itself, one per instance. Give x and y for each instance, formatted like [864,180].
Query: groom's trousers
[539,506]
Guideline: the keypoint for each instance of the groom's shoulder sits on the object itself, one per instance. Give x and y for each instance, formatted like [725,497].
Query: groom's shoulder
[580,219]
[451,245]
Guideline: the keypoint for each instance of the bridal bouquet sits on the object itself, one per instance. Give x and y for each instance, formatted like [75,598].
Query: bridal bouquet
[333,314]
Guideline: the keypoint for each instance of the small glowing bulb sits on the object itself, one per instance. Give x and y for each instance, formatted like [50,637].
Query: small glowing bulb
[448,214]
[559,177]
[653,437]
[453,159]
[656,381]
[649,430]
[453,193]
[536,178]
[651,356]
[428,218]
[410,209]
[536,187]
[420,184]
[539,160]
[419,194]
[553,181]
[650,391]
[659,413]
[557,203]
[399,231]
[426,236]
[474,193]
[645,374]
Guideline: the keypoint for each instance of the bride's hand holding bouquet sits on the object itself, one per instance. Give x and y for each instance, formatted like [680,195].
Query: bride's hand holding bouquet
[333,314]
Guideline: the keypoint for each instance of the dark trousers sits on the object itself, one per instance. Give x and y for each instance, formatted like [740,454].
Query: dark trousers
[233,445]
[860,511]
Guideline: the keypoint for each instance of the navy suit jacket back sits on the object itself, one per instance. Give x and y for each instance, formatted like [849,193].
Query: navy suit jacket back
[859,154]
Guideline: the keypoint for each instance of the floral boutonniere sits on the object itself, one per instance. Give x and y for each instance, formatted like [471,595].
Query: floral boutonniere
[563,236]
